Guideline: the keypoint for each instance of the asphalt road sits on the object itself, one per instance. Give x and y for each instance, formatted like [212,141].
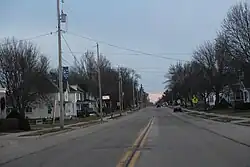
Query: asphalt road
[165,141]
[177,143]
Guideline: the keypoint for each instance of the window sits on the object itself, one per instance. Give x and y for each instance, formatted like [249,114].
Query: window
[211,99]
[49,109]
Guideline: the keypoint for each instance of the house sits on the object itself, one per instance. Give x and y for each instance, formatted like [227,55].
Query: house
[235,95]
[88,104]
[49,108]
[73,98]
[76,98]
[211,99]
[240,95]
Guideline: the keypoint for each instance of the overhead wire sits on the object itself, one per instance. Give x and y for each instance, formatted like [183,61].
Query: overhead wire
[71,52]
[124,48]
[66,61]
[38,36]
[34,37]
[135,54]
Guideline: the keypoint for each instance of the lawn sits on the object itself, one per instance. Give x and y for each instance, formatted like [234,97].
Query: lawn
[231,112]
[213,117]
[66,122]
[46,131]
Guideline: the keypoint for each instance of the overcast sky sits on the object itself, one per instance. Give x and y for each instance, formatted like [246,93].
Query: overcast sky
[171,28]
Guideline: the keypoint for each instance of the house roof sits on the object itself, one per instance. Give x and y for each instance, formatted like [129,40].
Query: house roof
[75,88]
[53,87]
[45,85]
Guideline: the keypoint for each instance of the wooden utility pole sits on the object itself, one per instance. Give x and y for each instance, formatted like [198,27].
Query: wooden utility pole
[133,90]
[99,81]
[60,65]
[120,91]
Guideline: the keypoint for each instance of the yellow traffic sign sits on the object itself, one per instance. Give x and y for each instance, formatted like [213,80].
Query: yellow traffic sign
[195,99]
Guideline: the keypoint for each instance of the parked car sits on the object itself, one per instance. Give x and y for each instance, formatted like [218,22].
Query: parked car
[177,108]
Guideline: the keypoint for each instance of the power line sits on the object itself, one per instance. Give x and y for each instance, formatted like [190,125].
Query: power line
[158,54]
[66,61]
[127,49]
[67,44]
[31,38]
[38,36]
[135,54]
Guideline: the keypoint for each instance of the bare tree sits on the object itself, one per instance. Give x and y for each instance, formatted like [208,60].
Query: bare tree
[23,71]
[236,27]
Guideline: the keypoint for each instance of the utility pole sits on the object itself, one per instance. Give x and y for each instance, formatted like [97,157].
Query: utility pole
[138,99]
[60,65]
[99,80]
[133,91]
[141,95]
[121,94]
[119,91]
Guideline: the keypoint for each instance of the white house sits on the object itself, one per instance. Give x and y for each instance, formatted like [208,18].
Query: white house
[51,107]
[212,98]
[76,97]
[234,95]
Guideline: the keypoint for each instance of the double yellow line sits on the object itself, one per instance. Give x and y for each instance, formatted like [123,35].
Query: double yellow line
[131,156]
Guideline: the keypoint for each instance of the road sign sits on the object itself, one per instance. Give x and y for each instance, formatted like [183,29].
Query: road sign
[105,97]
[65,73]
[195,100]
[179,101]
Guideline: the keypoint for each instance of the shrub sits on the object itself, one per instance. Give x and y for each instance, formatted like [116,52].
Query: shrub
[11,124]
[14,114]
[24,124]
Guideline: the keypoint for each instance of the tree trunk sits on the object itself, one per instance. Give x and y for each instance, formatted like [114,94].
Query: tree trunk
[22,113]
[185,102]
[217,97]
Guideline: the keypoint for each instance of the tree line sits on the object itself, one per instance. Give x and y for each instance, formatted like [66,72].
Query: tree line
[27,76]
[215,63]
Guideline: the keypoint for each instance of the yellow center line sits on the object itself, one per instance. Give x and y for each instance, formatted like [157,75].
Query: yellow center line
[130,151]
[134,159]
[138,152]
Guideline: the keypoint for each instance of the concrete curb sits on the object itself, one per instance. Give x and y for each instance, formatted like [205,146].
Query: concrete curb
[218,115]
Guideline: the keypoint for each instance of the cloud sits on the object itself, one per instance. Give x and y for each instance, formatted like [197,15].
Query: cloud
[154,96]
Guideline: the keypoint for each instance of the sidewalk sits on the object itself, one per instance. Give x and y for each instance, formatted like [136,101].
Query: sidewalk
[235,119]
[236,133]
